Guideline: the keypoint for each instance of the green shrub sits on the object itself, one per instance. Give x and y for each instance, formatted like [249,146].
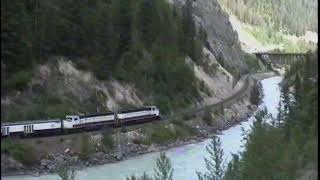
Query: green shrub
[18,81]
[252,62]
[24,153]
[163,134]
[107,139]
[85,146]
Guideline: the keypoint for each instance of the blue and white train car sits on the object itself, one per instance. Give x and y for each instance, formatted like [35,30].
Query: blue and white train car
[138,115]
[86,121]
[31,127]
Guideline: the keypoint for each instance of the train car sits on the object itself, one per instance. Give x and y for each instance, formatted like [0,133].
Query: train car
[138,115]
[89,121]
[75,122]
[28,128]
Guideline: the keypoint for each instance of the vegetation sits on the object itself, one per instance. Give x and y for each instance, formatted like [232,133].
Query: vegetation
[207,117]
[268,35]
[126,43]
[214,164]
[163,170]
[255,94]
[85,146]
[107,139]
[41,106]
[169,133]
[65,172]
[289,16]
[253,62]
[23,153]
[286,148]
[289,143]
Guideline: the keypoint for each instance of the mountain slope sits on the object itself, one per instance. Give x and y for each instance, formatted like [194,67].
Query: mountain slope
[138,53]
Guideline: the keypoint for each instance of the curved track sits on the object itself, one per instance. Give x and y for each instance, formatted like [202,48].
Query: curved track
[244,90]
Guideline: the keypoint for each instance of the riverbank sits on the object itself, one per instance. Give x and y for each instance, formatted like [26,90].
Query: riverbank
[129,149]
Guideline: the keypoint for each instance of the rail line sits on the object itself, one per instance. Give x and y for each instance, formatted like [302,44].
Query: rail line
[221,104]
[196,110]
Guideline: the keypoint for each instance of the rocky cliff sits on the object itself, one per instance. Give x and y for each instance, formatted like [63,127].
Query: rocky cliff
[222,40]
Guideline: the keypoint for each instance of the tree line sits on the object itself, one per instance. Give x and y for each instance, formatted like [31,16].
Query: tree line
[143,41]
[283,148]
[290,16]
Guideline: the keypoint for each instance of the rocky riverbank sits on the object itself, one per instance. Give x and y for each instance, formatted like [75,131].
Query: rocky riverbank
[126,149]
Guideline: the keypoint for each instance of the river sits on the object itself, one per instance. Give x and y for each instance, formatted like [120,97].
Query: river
[187,159]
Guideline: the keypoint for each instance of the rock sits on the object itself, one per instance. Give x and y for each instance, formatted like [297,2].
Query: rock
[59,159]
[10,163]
[50,167]
[44,162]
[119,156]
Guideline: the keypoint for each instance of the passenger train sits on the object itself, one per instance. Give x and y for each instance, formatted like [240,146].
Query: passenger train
[74,122]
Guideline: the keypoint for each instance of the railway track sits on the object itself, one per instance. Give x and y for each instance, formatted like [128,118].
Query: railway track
[219,105]
[196,110]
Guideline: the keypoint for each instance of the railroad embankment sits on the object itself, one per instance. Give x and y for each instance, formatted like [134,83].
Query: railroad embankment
[94,148]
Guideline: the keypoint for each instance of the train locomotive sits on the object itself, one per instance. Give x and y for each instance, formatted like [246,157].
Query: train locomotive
[76,122]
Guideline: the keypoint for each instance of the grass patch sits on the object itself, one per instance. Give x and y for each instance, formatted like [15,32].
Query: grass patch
[86,146]
[107,139]
[269,36]
[22,152]
[41,107]
[164,133]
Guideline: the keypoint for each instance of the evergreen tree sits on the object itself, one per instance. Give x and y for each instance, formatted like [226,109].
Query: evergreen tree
[164,170]
[214,164]
[189,31]
[15,36]
[233,170]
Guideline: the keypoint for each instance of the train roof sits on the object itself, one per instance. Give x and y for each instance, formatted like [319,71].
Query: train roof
[30,122]
[94,115]
[134,110]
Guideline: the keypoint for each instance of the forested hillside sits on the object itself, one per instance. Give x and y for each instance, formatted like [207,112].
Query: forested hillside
[290,16]
[286,148]
[142,42]
[62,57]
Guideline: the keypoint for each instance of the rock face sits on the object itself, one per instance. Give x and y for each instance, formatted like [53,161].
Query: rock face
[221,37]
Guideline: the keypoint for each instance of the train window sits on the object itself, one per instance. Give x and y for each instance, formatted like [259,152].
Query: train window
[28,129]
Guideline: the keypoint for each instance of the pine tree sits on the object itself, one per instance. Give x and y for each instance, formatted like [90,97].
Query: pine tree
[233,171]
[214,164]
[189,31]
[164,170]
